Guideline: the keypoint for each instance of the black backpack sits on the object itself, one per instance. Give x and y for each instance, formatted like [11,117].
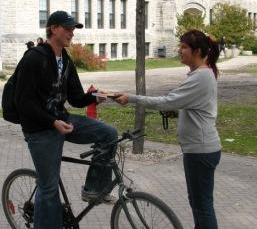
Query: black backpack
[10,112]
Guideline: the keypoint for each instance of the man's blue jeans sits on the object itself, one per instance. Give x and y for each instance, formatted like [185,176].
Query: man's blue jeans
[199,173]
[46,151]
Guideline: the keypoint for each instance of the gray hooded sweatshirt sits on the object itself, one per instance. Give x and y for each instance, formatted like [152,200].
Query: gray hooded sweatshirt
[196,100]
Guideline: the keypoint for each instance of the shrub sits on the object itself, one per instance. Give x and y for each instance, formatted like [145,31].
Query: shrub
[83,57]
[2,75]
[248,42]
[254,48]
[230,21]
[189,21]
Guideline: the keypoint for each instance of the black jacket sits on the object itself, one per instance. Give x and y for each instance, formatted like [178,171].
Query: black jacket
[39,98]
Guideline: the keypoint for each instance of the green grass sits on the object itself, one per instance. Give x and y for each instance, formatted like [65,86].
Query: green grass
[238,122]
[235,121]
[123,119]
[126,65]
[130,65]
[251,69]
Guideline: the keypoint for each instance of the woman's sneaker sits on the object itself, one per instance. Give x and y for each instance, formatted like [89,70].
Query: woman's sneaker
[88,196]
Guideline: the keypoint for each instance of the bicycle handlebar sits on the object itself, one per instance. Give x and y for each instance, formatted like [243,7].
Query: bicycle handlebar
[99,148]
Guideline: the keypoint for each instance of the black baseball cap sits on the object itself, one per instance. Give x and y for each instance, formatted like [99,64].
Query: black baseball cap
[64,19]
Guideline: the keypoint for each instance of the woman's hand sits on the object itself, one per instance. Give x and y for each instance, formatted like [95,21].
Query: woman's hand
[100,99]
[63,127]
[121,98]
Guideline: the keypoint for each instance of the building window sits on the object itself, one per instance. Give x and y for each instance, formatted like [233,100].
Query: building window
[113,50]
[146,14]
[74,9]
[124,49]
[147,49]
[43,12]
[102,50]
[88,14]
[90,47]
[123,23]
[100,14]
[112,13]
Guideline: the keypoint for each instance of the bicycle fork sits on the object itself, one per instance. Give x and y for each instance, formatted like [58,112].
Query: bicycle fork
[125,208]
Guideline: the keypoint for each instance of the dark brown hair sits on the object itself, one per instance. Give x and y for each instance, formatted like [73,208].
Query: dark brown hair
[209,48]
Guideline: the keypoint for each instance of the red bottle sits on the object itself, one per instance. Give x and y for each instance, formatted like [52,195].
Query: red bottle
[91,110]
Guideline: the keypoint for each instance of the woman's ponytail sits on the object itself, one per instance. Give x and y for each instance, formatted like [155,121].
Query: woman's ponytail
[213,56]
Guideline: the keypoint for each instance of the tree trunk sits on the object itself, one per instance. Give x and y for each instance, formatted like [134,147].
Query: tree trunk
[138,144]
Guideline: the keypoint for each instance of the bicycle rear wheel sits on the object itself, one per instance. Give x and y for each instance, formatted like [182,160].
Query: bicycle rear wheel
[146,211]
[18,198]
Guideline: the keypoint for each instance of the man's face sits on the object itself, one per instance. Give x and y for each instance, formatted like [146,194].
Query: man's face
[63,35]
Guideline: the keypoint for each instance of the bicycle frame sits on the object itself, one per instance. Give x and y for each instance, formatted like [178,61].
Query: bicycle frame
[117,181]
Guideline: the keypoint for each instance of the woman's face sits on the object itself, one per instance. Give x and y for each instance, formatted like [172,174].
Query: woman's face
[186,55]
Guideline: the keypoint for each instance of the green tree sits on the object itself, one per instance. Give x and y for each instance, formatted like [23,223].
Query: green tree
[230,21]
[188,21]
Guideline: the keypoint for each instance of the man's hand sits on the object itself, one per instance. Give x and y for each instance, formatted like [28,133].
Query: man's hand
[121,98]
[63,127]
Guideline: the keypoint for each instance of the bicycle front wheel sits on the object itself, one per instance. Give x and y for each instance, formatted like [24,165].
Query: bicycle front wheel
[146,212]
[18,198]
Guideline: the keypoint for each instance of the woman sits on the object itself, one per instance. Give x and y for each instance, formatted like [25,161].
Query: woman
[196,100]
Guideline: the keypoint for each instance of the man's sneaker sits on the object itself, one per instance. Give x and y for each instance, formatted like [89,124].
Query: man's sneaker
[89,196]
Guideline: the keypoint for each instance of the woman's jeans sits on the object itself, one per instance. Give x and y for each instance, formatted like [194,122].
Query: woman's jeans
[199,173]
[46,151]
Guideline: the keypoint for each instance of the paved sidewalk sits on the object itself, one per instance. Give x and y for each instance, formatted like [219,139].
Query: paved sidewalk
[235,191]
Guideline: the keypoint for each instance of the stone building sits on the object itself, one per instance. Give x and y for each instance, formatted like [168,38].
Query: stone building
[109,25]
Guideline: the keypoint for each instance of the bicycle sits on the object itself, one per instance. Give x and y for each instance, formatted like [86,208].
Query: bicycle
[133,209]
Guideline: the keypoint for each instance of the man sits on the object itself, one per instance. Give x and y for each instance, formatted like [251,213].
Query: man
[47,78]
[40,41]
[222,45]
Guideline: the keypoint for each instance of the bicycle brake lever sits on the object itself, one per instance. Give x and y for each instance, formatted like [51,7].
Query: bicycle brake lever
[136,131]
[86,154]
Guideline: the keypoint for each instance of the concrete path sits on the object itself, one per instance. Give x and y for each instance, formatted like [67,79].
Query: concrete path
[235,186]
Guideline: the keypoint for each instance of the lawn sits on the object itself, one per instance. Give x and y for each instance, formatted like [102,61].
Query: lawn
[236,124]
[130,65]
[251,69]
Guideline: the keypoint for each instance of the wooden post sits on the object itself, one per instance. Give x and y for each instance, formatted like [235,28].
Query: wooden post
[138,144]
